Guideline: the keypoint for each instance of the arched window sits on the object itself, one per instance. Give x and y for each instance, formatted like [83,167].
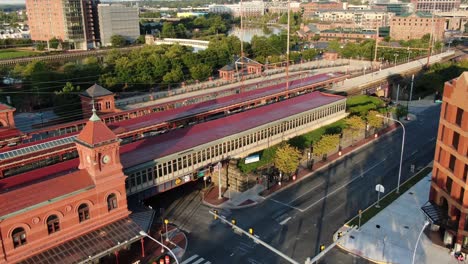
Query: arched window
[19,237]
[53,224]
[111,202]
[83,212]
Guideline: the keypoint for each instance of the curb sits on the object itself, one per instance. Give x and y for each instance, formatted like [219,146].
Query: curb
[219,206]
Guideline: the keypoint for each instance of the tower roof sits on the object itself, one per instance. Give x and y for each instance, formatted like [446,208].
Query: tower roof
[96,91]
[95,132]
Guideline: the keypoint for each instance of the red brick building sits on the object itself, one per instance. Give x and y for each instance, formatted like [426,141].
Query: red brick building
[312,7]
[450,172]
[415,26]
[104,101]
[347,35]
[46,212]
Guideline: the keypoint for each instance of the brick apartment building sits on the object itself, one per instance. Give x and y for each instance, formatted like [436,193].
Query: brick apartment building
[347,35]
[415,26]
[73,21]
[433,5]
[310,8]
[366,19]
[448,193]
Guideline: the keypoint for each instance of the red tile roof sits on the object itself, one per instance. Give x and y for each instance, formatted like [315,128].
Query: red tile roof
[96,132]
[4,107]
[42,190]
[194,109]
[7,133]
[186,138]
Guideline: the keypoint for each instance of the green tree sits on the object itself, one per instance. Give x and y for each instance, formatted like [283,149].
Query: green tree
[400,111]
[287,158]
[40,46]
[200,72]
[54,43]
[174,76]
[326,144]
[140,40]
[373,120]
[168,30]
[309,54]
[118,41]
[354,125]
[66,100]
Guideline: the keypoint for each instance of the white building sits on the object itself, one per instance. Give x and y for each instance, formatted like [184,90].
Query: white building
[366,19]
[116,19]
[253,8]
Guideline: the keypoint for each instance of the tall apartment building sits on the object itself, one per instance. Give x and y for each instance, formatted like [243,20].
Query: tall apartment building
[436,5]
[73,21]
[116,19]
[448,194]
[416,25]
[253,8]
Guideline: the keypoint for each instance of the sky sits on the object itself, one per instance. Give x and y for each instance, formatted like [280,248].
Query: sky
[12,1]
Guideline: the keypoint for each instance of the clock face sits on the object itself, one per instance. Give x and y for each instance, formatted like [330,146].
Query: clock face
[105,159]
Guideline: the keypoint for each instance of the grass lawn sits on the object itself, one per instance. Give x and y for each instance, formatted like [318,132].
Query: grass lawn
[12,54]
[384,202]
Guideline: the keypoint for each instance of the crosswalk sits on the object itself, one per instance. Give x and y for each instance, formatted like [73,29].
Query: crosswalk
[195,259]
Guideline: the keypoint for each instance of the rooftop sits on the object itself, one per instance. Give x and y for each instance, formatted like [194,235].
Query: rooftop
[417,14]
[96,91]
[187,138]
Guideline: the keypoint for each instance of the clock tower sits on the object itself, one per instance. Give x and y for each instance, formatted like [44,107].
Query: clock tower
[98,150]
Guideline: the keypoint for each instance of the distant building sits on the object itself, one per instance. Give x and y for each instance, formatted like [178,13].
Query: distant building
[397,8]
[73,21]
[366,19]
[312,7]
[448,197]
[116,19]
[253,8]
[455,20]
[415,26]
[434,5]
[347,35]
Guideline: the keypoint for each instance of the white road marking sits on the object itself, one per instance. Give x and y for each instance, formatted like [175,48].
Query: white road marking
[189,259]
[285,221]
[414,152]
[199,261]
[287,205]
[342,186]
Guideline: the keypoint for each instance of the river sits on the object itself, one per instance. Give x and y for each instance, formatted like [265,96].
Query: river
[252,31]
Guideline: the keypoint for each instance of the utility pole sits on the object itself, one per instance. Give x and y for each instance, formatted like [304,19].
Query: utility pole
[410,97]
[376,45]
[287,51]
[431,36]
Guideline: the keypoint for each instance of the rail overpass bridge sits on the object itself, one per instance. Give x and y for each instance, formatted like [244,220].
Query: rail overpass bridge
[200,44]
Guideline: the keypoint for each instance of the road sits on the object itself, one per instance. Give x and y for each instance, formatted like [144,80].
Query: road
[299,219]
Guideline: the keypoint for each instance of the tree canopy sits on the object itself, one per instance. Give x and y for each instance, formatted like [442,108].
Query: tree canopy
[287,158]
[326,144]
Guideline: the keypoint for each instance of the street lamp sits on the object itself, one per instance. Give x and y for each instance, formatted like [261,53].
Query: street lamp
[396,55]
[417,241]
[402,148]
[409,54]
[143,233]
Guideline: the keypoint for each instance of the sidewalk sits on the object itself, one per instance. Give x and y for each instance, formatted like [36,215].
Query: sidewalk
[258,193]
[391,235]
[177,243]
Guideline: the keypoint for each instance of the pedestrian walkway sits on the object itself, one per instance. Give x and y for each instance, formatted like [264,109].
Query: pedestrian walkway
[391,235]
[195,259]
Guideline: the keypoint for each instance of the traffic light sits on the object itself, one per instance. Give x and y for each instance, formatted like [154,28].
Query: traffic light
[340,234]
[216,214]
[233,221]
[251,231]
[322,247]
[167,259]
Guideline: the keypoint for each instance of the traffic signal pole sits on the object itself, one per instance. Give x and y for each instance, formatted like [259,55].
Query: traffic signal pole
[330,247]
[254,238]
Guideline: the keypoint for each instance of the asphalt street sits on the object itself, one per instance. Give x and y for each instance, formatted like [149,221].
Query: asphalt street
[297,220]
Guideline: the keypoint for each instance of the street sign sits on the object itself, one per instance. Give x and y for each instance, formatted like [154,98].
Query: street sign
[178,181]
[379,188]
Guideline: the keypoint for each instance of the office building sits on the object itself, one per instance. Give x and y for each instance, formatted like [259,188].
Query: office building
[448,197]
[117,19]
[72,21]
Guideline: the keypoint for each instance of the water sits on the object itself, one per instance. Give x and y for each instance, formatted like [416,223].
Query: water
[252,31]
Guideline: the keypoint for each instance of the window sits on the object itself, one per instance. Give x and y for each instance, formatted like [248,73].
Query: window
[465,173]
[452,163]
[445,110]
[459,116]
[442,134]
[53,224]
[448,185]
[98,106]
[456,139]
[108,105]
[83,212]
[19,237]
[111,202]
